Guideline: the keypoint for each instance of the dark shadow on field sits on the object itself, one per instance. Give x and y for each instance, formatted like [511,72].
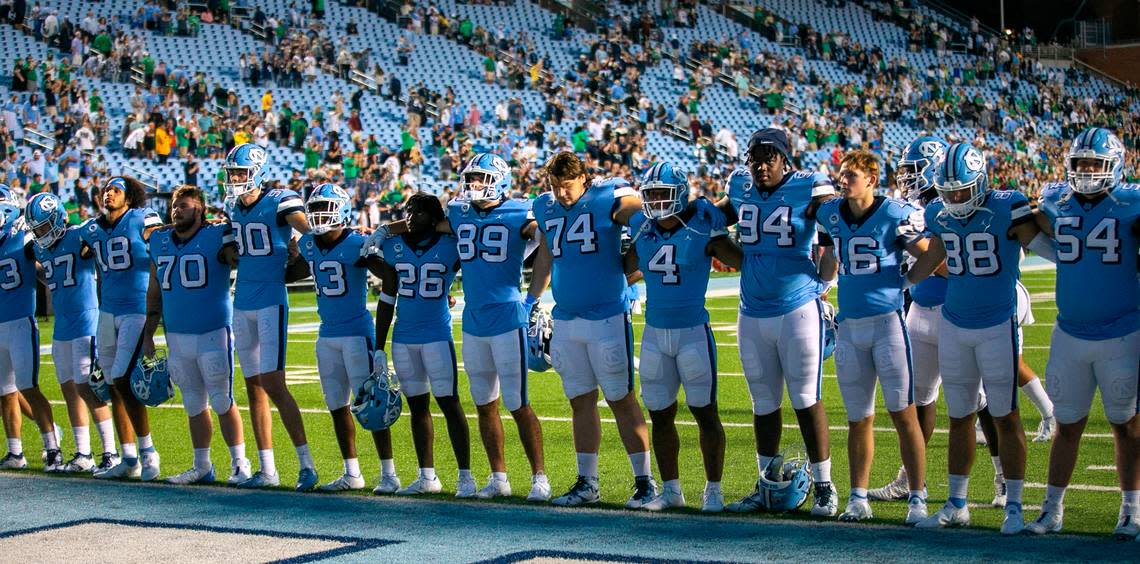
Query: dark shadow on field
[440,530]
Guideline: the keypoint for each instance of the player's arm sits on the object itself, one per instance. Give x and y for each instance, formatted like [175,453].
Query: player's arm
[298,221]
[228,254]
[928,262]
[540,270]
[296,267]
[630,265]
[725,206]
[1027,232]
[727,251]
[153,312]
[151,223]
[386,304]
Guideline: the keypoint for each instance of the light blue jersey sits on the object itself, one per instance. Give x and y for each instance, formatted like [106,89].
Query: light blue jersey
[981,259]
[195,283]
[71,280]
[588,279]
[776,233]
[121,255]
[1098,292]
[263,236]
[17,275]
[931,292]
[492,249]
[675,264]
[426,272]
[870,252]
[341,281]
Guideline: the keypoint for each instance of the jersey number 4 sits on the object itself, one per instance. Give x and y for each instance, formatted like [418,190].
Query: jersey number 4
[581,231]
[1102,237]
[777,224]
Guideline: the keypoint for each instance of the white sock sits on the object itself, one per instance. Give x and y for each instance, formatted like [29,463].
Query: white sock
[16,446]
[268,463]
[997,464]
[673,486]
[465,474]
[130,450]
[50,442]
[1036,393]
[427,473]
[388,467]
[237,452]
[202,459]
[352,466]
[860,493]
[305,458]
[762,462]
[82,439]
[1130,500]
[920,494]
[106,430]
[500,476]
[640,463]
[712,486]
[1054,498]
[821,471]
[588,464]
[146,443]
[1013,489]
[959,486]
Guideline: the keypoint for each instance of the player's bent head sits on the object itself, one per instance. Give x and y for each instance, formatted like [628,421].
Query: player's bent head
[424,212]
[857,171]
[565,174]
[187,206]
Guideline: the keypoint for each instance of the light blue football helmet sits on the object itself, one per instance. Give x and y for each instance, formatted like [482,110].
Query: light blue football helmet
[538,334]
[98,383]
[961,180]
[784,484]
[248,160]
[664,190]
[10,209]
[46,218]
[1098,144]
[378,403]
[485,178]
[328,208]
[830,330]
[915,170]
[150,381]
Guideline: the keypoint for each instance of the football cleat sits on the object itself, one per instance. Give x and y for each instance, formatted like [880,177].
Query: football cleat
[857,509]
[107,461]
[583,492]
[1045,430]
[1049,521]
[644,491]
[749,503]
[150,463]
[466,487]
[80,463]
[539,488]
[194,475]
[948,516]
[915,510]
[826,502]
[1014,521]
[665,500]
[494,488]
[260,479]
[306,480]
[712,501]
[999,491]
[121,470]
[239,472]
[13,462]
[53,462]
[389,484]
[1127,527]
[422,486]
[897,489]
[344,483]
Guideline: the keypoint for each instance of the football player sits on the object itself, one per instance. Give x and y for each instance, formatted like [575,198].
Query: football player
[492,233]
[190,293]
[263,224]
[417,270]
[70,277]
[868,236]
[346,343]
[118,239]
[1094,220]
[672,250]
[780,325]
[20,339]
[979,233]
[580,224]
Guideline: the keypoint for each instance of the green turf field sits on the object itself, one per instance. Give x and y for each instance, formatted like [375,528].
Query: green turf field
[1091,506]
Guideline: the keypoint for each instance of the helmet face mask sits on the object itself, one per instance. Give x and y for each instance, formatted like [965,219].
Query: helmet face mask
[327,209]
[1090,146]
[485,178]
[46,219]
[238,181]
[917,167]
[961,180]
[1090,182]
[664,191]
[961,200]
[243,169]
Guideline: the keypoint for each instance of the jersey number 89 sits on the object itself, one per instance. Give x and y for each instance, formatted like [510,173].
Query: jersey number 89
[493,239]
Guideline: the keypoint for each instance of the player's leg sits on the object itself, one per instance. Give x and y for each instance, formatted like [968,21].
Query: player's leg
[185,372]
[483,377]
[272,324]
[801,354]
[760,360]
[67,373]
[895,367]
[997,353]
[249,352]
[414,383]
[10,405]
[855,372]
[335,386]
[217,367]
[611,358]
[696,364]
[570,358]
[358,359]
[128,352]
[659,385]
[24,352]
[1029,383]
[442,366]
[106,339]
[1119,384]
[509,352]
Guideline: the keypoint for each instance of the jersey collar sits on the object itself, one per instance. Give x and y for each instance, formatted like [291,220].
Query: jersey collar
[849,216]
[321,245]
[245,208]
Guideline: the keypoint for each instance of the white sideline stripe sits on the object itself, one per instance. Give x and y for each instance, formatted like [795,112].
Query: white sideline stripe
[988,506]
[1102,468]
[1081,487]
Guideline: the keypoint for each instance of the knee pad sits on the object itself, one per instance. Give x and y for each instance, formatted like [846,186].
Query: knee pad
[220,401]
[194,401]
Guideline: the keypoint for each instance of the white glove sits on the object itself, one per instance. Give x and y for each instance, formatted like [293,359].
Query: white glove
[375,240]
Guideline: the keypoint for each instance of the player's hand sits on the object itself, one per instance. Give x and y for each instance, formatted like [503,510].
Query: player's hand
[450,301]
[710,212]
[380,360]
[375,240]
[148,348]
[530,304]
